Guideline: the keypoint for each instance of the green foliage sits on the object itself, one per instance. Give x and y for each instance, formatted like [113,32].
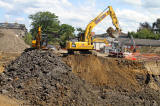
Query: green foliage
[80,30]
[66,32]
[28,39]
[145,34]
[51,26]
[146,31]
[48,21]
[145,25]
[53,40]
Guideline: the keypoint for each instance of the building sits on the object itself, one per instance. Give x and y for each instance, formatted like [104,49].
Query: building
[19,29]
[124,41]
[99,43]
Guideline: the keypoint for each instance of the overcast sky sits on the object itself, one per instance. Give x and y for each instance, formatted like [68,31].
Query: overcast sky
[80,12]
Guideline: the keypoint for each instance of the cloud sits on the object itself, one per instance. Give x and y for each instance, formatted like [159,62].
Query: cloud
[5,5]
[151,4]
[20,19]
[133,2]
[66,2]
[81,13]
[130,19]
[7,17]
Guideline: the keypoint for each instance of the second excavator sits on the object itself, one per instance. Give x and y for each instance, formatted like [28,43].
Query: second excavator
[85,42]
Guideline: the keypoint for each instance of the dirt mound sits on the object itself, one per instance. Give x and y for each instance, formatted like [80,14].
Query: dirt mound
[43,79]
[10,42]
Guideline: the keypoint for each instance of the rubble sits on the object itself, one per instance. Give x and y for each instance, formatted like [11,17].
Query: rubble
[43,79]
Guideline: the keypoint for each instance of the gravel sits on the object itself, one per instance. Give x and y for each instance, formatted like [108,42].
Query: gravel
[44,79]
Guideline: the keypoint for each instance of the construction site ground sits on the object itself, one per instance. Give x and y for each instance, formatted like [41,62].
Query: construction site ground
[5,58]
[96,80]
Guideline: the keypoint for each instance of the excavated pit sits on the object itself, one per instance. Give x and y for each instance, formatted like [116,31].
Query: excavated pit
[42,78]
[133,80]
[114,73]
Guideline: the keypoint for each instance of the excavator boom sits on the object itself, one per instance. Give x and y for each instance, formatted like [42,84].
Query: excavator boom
[86,42]
[98,19]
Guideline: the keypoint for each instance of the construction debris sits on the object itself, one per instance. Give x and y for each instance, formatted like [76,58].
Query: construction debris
[43,79]
[143,57]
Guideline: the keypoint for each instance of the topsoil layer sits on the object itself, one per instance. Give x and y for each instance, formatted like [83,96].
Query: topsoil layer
[10,42]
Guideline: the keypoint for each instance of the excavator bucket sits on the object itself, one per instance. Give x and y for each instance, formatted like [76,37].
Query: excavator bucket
[113,33]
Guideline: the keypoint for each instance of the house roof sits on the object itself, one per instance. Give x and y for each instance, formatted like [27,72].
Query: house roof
[124,39]
[140,42]
[12,26]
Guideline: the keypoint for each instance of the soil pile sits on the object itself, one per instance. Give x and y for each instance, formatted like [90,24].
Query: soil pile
[43,79]
[10,42]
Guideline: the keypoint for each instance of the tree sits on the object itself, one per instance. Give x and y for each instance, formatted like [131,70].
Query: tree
[48,21]
[80,30]
[51,26]
[66,32]
[145,25]
[156,26]
[145,34]
[146,31]
[28,39]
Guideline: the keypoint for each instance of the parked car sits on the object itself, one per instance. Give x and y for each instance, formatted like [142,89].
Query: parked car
[51,47]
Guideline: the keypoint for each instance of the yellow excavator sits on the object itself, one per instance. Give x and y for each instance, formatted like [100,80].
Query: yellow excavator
[85,42]
[40,41]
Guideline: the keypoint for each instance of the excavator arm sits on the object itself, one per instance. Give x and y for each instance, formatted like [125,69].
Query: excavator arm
[98,19]
[85,42]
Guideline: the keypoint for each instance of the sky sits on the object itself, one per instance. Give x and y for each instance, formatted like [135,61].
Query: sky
[79,13]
